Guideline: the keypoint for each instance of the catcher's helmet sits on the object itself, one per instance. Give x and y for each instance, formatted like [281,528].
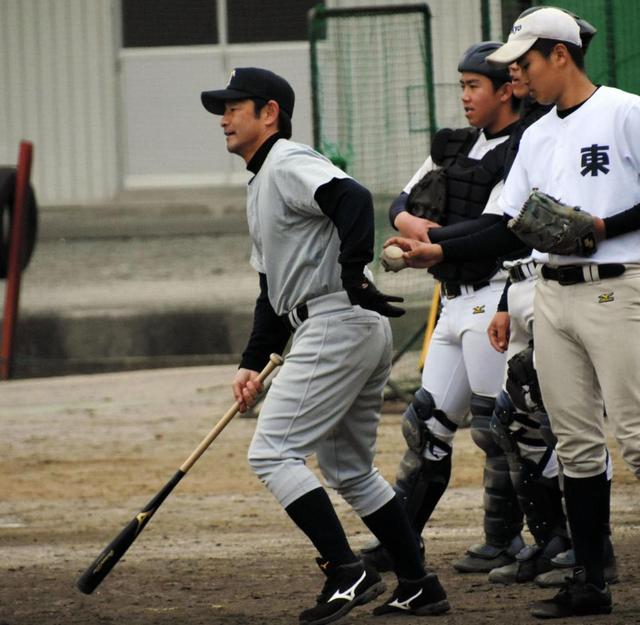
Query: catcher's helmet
[587,30]
[475,60]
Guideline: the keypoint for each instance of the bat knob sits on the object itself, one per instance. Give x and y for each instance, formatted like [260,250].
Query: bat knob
[276,359]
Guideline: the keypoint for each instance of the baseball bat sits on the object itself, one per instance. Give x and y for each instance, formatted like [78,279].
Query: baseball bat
[112,553]
[434,311]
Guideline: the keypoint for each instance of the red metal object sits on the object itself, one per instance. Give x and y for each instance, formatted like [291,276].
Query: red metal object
[16,243]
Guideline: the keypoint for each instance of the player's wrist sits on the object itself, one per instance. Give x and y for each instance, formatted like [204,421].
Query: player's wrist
[352,274]
[600,226]
[403,217]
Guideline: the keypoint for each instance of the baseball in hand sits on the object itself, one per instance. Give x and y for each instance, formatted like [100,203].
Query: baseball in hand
[392,258]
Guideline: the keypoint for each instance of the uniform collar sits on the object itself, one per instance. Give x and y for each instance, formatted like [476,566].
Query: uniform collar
[259,157]
[505,132]
[572,109]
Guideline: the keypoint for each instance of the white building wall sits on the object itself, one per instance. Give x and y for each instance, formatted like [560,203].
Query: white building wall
[58,77]
[171,140]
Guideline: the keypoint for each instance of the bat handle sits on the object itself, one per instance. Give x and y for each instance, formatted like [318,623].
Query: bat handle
[275,360]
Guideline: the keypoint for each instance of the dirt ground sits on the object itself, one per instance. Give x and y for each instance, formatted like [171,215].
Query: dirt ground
[79,456]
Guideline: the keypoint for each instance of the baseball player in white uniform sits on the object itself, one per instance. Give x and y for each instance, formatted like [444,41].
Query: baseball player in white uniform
[584,153]
[312,231]
[462,372]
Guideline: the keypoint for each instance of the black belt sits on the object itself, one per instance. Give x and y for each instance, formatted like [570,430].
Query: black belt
[517,273]
[451,289]
[296,317]
[574,274]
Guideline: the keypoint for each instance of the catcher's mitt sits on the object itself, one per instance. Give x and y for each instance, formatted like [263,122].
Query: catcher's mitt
[547,225]
[522,382]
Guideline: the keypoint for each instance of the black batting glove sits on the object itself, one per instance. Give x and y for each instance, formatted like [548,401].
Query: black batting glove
[364,294]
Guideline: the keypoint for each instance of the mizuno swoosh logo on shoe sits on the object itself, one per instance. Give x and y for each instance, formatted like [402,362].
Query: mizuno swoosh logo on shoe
[350,593]
[404,605]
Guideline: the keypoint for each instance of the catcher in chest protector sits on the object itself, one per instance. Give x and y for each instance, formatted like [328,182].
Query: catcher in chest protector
[451,194]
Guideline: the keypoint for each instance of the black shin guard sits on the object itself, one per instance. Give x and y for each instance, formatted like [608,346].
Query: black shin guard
[503,519]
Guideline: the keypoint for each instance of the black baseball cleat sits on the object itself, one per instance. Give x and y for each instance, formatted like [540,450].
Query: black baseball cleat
[565,562]
[346,586]
[577,598]
[423,597]
[376,556]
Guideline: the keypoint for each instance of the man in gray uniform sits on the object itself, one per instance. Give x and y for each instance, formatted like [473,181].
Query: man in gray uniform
[312,232]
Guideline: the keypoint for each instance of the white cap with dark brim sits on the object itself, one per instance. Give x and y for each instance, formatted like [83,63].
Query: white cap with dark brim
[547,23]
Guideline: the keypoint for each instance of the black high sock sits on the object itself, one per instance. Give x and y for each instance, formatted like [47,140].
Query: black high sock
[588,509]
[314,514]
[390,526]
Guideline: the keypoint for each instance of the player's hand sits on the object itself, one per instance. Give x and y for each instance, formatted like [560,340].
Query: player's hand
[499,331]
[246,388]
[417,254]
[364,293]
[413,227]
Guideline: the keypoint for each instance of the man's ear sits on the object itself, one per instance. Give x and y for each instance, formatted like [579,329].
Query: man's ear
[271,112]
[506,91]
[560,54]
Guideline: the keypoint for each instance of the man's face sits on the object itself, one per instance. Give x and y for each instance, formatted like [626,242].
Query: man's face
[244,131]
[520,90]
[539,76]
[480,101]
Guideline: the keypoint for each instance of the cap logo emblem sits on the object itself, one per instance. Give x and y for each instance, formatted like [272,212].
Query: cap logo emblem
[516,28]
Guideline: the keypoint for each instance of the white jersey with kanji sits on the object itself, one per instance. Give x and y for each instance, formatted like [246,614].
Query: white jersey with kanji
[590,159]
[481,146]
[294,243]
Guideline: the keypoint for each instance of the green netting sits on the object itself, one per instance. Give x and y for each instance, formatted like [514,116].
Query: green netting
[372,90]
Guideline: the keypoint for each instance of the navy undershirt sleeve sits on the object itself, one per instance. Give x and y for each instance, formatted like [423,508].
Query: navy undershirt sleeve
[494,241]
[503,304]
[624,222]
[463,228]
[350,207]
[399,205]
[269,334]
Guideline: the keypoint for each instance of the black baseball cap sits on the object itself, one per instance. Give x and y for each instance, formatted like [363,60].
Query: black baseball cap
[251,82]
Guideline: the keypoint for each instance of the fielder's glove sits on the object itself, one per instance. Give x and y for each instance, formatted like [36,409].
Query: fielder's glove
[364,293]
[547,225]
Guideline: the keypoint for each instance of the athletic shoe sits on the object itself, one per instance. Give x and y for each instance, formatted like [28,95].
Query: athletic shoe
[424,597]
[530,562]
[346,587]
[577,598]
[483,558]
[563,565]
[377,557]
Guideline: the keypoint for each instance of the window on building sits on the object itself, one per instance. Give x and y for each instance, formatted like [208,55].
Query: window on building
[148,23]
[268,20]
